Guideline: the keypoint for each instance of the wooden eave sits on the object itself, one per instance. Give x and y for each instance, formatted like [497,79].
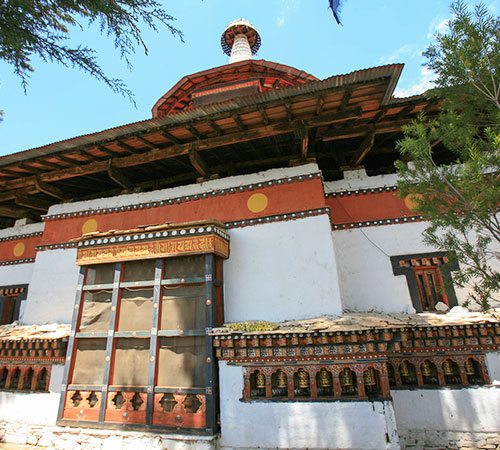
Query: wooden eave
[291,124]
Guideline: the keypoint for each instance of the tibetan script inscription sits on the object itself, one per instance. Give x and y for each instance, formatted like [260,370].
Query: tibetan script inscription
[154,249]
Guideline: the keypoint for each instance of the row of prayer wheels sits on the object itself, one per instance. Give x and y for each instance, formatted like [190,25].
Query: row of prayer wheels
[324,379]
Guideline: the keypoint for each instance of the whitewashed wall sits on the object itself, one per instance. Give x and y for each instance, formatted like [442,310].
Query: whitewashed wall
[493,364]
[475,409]
[22,229]
[366,279]
[51,294]
[16,274]
[280,271]
[334,425]
[29,408]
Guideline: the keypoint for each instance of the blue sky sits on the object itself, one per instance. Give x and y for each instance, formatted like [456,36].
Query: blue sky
[61,103]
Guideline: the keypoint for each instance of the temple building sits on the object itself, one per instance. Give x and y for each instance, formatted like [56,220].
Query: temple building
[237,272]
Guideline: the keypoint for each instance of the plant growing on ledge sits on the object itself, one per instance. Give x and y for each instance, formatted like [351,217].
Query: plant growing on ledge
[461,200]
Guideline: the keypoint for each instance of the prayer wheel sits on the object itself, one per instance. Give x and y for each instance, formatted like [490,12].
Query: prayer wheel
[448,368]
[260,380]
[405,369]
[469,367]
[324,379]
[302,379]
[346,379]
[427,369]
[369,377]
[281,379]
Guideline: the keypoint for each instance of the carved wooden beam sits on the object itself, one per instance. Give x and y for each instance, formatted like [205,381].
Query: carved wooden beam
[53,191]
[32,203]
[199,164]
[118,177]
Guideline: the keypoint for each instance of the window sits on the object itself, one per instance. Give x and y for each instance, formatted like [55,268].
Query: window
[428,277]
[140,354]
[10,302]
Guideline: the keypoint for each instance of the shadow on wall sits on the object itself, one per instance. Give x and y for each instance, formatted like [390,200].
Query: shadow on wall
[431,414]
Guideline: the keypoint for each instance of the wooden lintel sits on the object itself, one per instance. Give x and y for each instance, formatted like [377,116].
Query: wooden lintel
[364,148]
[215,127]
[53,191]
[32,203]
[194,132]
[238,122]
[199,164]
[119,177]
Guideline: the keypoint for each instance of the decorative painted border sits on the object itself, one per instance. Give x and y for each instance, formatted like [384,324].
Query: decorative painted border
[229,225]
[17,261]
[186,198]
[371,223]
[362,191]
[21,236]
[278,218]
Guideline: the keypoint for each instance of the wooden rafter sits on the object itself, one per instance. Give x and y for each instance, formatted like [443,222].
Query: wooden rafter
[319,105]
[170,137]
[145,142]
[364,148]
[239,123]
[126,147]
[215,127]
[194,132]
[180,149]
[346,99]
[264,116]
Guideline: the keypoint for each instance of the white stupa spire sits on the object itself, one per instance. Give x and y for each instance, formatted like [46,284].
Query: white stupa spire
[240,41]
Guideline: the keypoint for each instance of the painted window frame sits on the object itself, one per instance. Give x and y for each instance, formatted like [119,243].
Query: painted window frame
[20,297]
[213,293]
[443,269]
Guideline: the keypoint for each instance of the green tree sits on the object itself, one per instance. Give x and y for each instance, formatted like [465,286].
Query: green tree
[461,199]
[42,28]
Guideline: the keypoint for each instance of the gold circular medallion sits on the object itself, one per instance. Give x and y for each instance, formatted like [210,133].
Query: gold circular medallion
[412,201]
[19,249]
[257,203]
[89,226]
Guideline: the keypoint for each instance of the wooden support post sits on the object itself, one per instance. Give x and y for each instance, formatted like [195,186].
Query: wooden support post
[304,140]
